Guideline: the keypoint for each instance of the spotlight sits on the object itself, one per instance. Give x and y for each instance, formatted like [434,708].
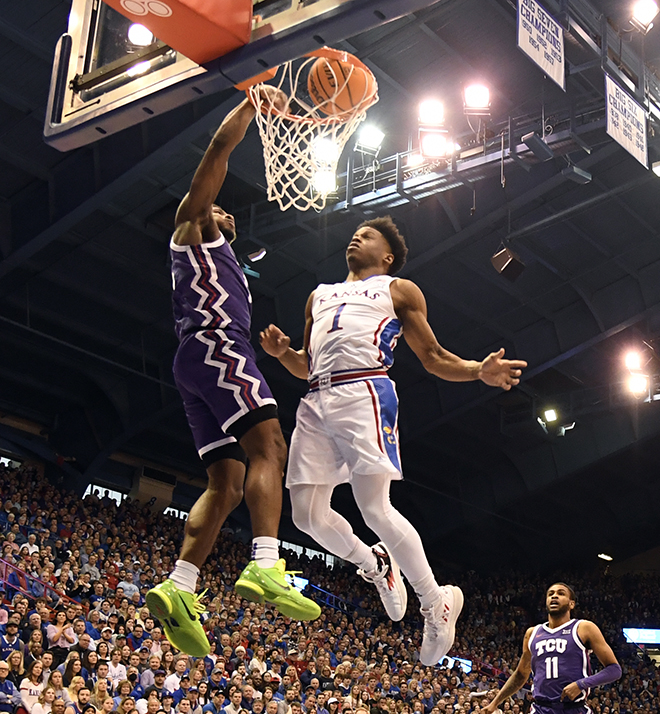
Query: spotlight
[433,143]
[633,361]
[638,384]
[655,167]
[431,112]
[257,255]
[574,173]
[561,431]
[476,100]
[550,415]
[370,138]
[326,151]
[537,146]
[139,35]
[605,556]
[644,12]
[324,181]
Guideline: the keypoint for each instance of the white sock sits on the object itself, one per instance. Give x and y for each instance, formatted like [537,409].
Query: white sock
[427,590]
[363,557]
[185,575]
[265,550]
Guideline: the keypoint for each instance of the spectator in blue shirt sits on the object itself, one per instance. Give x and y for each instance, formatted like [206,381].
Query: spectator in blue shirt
[10,697]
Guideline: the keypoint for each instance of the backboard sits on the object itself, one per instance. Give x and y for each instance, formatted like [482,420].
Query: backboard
[104,81]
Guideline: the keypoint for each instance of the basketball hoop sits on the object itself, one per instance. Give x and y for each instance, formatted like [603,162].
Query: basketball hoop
[303,141]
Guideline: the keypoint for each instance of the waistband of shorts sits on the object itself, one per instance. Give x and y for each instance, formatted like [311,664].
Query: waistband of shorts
[332,379]
[559,705]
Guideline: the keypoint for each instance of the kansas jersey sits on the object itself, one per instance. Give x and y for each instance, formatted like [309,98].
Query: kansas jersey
[354,326]
[558,658]
[210,291]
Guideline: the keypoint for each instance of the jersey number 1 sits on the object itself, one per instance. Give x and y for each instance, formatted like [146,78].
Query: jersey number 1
[552,667]
[335,322]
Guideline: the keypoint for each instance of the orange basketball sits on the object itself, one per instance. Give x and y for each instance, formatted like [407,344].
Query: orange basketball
[339,87]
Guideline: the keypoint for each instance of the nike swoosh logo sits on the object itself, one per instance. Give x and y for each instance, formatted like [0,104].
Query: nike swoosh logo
[185,607]
[286,588]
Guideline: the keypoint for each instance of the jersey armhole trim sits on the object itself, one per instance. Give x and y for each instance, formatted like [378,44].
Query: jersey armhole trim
[207,244]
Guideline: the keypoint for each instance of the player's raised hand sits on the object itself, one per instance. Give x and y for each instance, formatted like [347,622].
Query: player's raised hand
[274,341]
[498,372]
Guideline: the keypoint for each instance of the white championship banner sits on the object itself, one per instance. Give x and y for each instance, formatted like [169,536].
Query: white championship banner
[626,121]
[541,37]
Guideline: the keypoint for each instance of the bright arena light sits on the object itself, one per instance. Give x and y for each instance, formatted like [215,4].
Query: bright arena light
[633,361]
[644,12]
[433,144]
[139,68]
[325,150]
[140,35]
[414,160]
[431,111]
[638,384]
[371,137]
[476,96]
[324,181]
[605,556]
[550,415]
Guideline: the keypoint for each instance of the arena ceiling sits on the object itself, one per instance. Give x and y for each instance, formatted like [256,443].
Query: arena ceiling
[86,335]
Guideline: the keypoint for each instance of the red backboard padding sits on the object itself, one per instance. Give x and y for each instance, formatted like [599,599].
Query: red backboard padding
[202,30]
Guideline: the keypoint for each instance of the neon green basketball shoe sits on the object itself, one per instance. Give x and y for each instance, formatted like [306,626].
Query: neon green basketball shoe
[178,612]
[269,585]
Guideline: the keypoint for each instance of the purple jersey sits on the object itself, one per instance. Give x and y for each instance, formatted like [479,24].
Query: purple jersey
[210,290]
[558,658]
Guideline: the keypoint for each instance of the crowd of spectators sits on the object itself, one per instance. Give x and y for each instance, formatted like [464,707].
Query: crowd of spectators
[76,637]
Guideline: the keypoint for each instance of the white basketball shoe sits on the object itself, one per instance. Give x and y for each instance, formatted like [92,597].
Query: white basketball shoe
[440,625]
[388,581]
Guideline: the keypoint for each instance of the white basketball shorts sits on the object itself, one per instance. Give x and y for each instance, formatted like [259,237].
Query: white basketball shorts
[344,431]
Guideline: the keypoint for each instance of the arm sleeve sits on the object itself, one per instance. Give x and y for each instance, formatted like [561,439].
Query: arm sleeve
[606,675]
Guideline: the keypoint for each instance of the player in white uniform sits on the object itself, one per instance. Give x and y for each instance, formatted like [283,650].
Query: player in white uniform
[346,426]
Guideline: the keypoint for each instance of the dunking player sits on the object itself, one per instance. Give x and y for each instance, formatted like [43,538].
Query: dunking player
[557,655]
[230,409]
[346,426]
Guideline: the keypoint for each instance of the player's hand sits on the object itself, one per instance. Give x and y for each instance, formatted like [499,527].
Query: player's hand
[571,691]
[490,709]
[273,98]
[498,372]
[274,341]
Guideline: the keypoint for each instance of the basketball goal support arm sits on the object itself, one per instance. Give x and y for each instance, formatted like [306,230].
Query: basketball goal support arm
[212,170]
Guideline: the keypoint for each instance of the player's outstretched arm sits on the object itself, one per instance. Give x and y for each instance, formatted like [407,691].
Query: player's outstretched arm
[194,212]
[517,680]
[277,344]
[410,307]
[593,638]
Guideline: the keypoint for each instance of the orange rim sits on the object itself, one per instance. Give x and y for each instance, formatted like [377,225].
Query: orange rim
[327,53]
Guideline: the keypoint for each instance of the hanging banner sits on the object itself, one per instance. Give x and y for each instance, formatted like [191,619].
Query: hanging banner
[626,121]
[541,37]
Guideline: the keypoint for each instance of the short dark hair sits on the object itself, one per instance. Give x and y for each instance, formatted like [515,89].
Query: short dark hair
[387,228]
[571,592]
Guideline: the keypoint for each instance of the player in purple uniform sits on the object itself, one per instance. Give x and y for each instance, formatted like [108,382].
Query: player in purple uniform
[230,409]
[557,655]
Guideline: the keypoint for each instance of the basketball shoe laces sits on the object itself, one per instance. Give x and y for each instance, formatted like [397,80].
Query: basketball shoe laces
[197,604]
[382,574]
[434,620]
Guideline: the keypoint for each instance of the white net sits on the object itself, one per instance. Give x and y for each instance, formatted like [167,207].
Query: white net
[302,142]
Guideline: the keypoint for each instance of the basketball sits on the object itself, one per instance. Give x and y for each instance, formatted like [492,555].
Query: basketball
[338,88]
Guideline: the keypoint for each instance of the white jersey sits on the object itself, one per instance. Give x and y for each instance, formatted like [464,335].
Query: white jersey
[354,326]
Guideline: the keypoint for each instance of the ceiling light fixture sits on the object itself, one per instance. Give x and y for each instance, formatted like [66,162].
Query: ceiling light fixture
[476,100]
[257,255]
[644,12]
[574,173]
[431,112]
[638,384]
[550,415]
[538,146]
[605,556]
[633,361]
